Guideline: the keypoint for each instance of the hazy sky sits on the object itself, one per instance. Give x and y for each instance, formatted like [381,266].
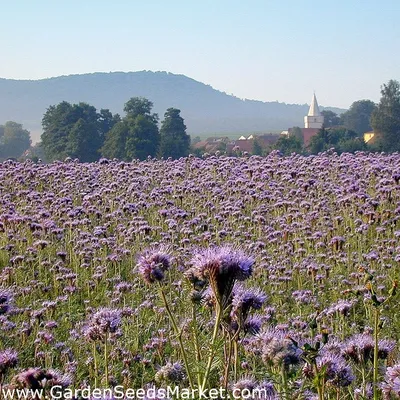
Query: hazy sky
[257,49]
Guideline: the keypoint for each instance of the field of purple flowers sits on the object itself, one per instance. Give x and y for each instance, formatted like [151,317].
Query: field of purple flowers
[276,273]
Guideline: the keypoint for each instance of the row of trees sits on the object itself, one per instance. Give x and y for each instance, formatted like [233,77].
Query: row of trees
[385,119]
[357,118]
[79,131]
[14,140]
[339,138]
[75,130]
[364,115]
[345,132]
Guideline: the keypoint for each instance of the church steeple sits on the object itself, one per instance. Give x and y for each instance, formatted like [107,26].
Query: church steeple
[314,109]
[314,119]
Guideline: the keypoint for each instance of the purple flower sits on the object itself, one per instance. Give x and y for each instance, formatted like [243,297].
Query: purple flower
[391,385]
[364,393]
[152,264]
[6,299]
[8,359]
[333,367]
[170,373]
[247,385]
[222,267]
[243,299]
[266,391]
[278,350]
[40,244]
[101,323]
[36,378]
[253,324]
[360,348]
[303,296]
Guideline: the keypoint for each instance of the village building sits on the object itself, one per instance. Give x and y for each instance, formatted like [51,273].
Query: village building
[368,136]
[243,144]
[313,122]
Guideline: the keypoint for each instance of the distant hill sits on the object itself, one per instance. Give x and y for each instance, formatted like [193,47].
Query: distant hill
[204,109]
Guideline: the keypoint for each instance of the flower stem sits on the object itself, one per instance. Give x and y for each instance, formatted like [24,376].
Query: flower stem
[228,358]
[376,349]
[196,343]
[106,359]
[96,372]
[236,359]
[284,383]
[213,340]
[179,336]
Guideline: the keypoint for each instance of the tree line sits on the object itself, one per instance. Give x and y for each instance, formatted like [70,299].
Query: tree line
[79,131]
[14,140]
[345,132]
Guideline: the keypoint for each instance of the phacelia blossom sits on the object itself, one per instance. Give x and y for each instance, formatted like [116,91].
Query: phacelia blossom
[153,263]
[6,299]
[8,359]
[391,385]
[222,267]
[334,369]
[278,350]
[170,373]
[360,348]
[37,378]
[104,321]
[244,299]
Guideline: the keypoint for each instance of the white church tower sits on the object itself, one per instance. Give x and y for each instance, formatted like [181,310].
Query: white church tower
[314,119]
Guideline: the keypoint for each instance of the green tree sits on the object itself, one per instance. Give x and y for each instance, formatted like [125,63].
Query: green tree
[14,140]
[221,147]
[83,141]
[56,125]
[115,142]
[339,138]
[106,122]
[75,130]
[137,106]
[385,119]
[330,118]
[143,138]
[257,149]
[319,142]
[136,135]
[297,132]
[288,145]
[174,141]
[198,151]
[358,117]
[352,145]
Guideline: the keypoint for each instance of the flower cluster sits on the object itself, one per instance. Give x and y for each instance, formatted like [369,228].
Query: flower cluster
[221,267]
[102,323]
[153,263]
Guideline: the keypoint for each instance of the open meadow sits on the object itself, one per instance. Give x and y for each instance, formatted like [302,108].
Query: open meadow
[275,277]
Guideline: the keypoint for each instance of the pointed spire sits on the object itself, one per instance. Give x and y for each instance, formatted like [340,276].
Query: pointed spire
[314,109]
